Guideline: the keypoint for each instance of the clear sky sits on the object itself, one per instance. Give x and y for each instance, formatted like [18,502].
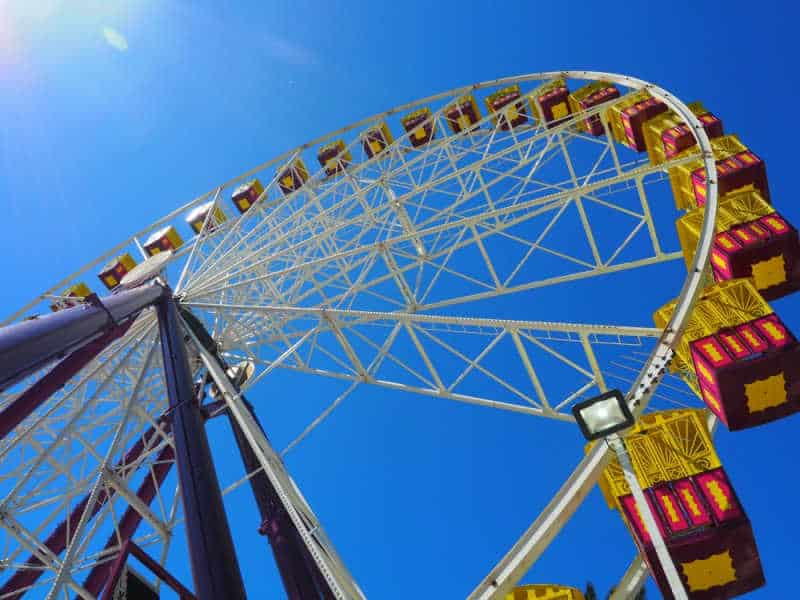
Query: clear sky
[112,113]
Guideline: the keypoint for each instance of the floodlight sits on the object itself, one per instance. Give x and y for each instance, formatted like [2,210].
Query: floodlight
[241,372]
[238,374]
[603,415]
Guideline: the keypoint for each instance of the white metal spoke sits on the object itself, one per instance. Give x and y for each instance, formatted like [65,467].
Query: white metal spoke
[571,345]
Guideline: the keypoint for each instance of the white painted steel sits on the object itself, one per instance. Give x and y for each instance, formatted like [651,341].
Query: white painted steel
[667,565]
[634,577]
[305,275]
[524,553]
[632,581]
[341,583]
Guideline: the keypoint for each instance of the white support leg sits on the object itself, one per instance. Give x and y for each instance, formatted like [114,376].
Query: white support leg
[675,583]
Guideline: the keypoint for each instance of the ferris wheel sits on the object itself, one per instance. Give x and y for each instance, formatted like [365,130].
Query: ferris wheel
[482,246]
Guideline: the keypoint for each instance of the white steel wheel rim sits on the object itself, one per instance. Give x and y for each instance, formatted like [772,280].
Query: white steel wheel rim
[200,288]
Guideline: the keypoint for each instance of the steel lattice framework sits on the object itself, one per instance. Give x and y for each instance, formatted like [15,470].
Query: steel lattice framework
[402,272]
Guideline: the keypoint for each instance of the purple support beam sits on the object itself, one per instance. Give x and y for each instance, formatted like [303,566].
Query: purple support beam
[130,548]
[24,404]
[215,569]
[29,345]
[146,441]
[131,519]
[62,535]
[117,568]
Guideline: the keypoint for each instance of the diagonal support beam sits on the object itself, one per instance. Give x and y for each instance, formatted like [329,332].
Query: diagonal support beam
[63,534]
[302,580]
[130,548]
[29,400]
[338,579]
[132,518]
[27,346]
[135,502]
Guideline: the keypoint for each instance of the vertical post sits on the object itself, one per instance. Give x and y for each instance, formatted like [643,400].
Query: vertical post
[671,573]
[215,569]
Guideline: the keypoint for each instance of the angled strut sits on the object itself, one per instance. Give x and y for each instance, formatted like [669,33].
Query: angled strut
[301,577]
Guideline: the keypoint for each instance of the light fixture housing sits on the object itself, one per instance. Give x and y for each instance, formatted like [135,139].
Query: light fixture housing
[603,415]
[238,375]
[241,372]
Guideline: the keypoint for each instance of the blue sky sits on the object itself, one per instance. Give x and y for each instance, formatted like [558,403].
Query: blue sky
[101,133]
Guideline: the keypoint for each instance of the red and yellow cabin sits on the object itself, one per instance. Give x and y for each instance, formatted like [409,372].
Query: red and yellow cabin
[334,157]
[198,216]
[164,239]
[744,170]
[749,373]
[680,137]
[628,117]
[507,107]
[737,169]
[420,127]
[591,95]
[705,529]
[538,591]
[551,102]
[116,269]
[667,135]
[680,176]
[752,240]
[718,557]
[377,139]
[72,296]
[746,361]
[293,177]
[463,114]
[245,195]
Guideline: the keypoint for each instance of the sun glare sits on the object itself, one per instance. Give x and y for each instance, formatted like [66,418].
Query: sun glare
[115,39]
[8,44]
